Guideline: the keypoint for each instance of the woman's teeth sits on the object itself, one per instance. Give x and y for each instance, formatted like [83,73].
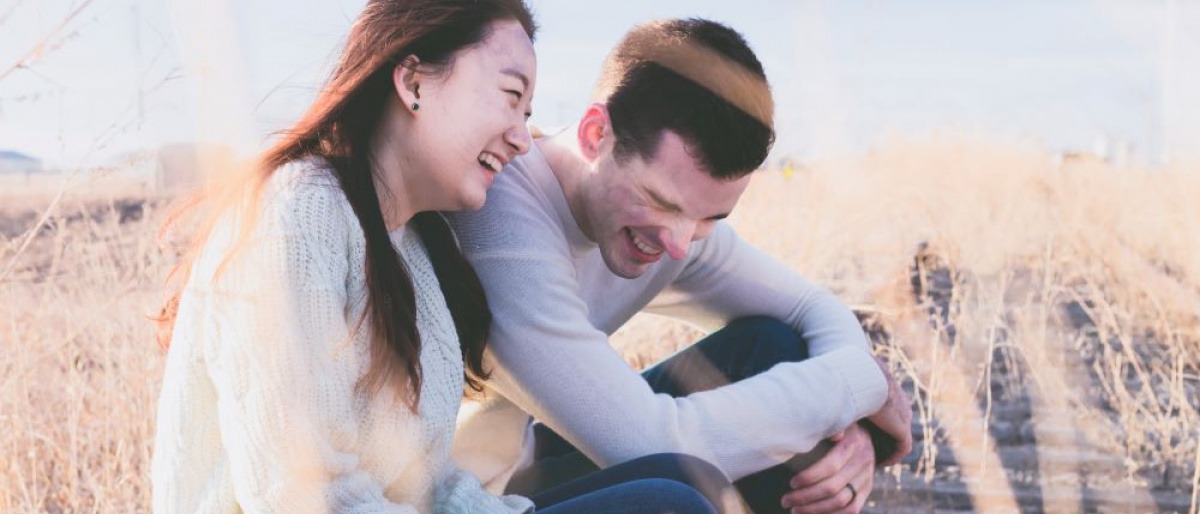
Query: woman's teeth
[491,162]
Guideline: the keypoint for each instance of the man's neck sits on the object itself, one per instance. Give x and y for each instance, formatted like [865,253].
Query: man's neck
[569,167]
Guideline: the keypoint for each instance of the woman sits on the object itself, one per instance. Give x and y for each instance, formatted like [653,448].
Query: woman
[319,344]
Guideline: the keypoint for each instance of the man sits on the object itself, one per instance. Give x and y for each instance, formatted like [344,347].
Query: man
[623,214]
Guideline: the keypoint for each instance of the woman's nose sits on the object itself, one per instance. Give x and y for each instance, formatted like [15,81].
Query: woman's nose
[518,137]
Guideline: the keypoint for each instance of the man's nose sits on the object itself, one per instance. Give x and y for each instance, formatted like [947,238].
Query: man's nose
[677,239]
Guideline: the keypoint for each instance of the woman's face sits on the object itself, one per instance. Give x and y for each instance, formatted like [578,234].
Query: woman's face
[472,119]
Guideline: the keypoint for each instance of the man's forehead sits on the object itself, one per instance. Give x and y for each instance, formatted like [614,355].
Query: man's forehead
[677,175]
[674,152]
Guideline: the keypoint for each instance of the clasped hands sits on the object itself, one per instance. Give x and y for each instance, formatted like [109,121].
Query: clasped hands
[841,480]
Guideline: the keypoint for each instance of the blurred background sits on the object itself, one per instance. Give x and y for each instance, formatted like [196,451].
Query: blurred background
[86,81]
[1007,193]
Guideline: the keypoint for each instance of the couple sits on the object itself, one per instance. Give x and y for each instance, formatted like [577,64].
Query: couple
[330,319]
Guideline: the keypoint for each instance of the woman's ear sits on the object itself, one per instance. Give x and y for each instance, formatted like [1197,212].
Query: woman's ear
[407,82]
[593,131]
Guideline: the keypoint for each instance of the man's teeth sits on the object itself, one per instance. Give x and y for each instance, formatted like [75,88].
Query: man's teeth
[490,161]
[641,245]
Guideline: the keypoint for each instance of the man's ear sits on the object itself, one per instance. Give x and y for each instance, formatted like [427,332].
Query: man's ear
[407,82]
[594,132]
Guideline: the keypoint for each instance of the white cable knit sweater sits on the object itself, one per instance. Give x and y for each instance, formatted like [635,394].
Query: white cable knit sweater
[259,412]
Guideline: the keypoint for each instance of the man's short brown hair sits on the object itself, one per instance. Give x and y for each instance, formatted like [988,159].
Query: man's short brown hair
[694,77]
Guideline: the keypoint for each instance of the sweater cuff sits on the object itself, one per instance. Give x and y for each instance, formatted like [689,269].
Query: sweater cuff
[461,493]
[507,504]
[358,493]
[866,387]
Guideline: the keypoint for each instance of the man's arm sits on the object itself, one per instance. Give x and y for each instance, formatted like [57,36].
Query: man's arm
[726,278]
[554,364]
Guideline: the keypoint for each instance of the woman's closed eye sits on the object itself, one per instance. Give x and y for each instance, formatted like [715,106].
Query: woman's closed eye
[518,96]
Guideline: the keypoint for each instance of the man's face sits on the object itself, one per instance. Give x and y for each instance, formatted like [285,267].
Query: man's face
[641,210]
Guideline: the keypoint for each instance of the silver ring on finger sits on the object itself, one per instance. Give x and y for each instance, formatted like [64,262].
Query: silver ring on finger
[853,493]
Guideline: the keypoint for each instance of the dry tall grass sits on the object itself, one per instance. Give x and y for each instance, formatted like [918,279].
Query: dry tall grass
[79,373]
[1055,351]
[1058,314]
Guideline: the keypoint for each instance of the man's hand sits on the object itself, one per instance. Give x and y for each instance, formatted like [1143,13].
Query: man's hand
[894,419]
[839,482]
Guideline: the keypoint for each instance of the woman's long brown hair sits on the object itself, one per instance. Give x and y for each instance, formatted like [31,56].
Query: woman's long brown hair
[338,127]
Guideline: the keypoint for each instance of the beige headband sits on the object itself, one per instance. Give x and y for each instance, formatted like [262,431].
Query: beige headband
[717,73]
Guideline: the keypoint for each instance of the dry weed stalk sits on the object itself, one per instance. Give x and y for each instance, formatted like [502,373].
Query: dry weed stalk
[1050,320]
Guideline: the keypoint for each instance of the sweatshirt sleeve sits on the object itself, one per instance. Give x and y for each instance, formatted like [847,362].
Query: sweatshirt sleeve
[726,278]
[281,305]
[553,363]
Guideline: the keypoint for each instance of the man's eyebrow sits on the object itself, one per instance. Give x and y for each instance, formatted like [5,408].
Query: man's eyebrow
[670,206]
[658,199]
[513,72]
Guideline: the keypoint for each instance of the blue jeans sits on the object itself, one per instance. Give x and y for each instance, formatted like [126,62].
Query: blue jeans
[744,348]
[656,484]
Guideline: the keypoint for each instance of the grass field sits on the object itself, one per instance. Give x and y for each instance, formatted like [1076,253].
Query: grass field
[1046,318]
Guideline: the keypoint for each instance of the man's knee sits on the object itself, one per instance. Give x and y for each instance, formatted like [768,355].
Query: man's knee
[683,468]
[665,495]
[690,470]
[763,326]
[770,337]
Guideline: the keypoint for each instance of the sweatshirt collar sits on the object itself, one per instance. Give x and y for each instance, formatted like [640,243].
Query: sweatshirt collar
[548,182]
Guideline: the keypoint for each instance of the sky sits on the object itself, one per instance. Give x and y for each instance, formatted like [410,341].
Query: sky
[124,75]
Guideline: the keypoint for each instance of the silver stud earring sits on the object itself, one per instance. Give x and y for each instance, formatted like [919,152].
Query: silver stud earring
[416,106]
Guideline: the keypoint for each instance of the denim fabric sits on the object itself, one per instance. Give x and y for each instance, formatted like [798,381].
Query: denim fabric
[744,348]
[643,496]
[652,484]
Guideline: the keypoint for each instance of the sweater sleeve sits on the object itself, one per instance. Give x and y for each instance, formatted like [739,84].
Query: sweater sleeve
[554,364]
[281,306]
[461,493]
[726,279]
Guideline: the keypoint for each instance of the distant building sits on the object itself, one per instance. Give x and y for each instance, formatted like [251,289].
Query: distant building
[18,163]
[1115,152]
[1106,150]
